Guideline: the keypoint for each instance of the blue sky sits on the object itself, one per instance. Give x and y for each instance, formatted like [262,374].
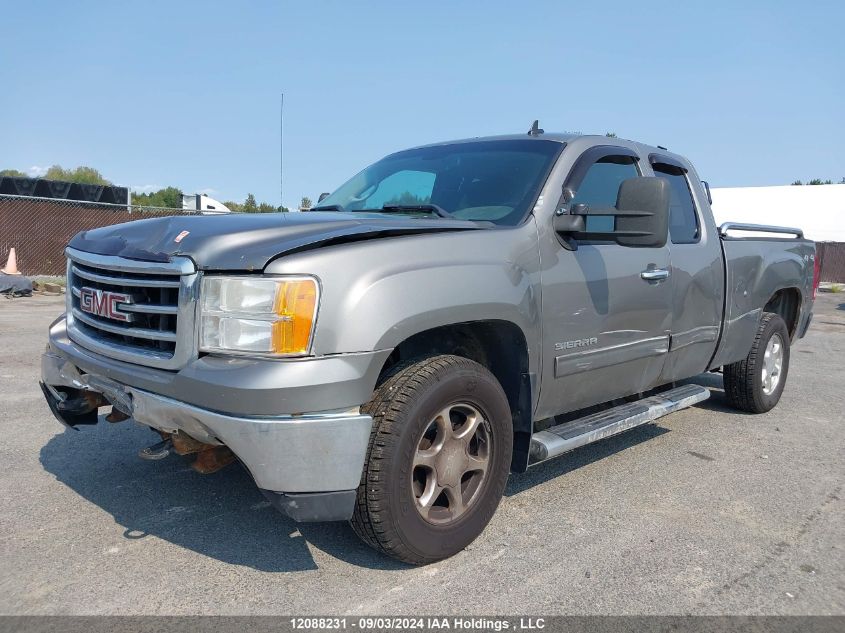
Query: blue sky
[187,93]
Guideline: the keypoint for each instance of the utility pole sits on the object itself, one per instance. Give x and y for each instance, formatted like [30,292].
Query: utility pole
[281,152]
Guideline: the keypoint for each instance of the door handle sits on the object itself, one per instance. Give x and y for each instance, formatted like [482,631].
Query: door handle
[655,274]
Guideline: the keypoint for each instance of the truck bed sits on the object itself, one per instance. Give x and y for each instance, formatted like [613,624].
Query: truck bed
[756,268]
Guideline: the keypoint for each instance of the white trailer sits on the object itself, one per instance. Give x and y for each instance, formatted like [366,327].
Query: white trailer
[204,204]
[818,209]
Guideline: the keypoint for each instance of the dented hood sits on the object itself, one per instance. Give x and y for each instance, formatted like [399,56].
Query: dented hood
[250,241]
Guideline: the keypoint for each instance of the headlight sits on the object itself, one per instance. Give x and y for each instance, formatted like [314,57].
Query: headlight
[258,315]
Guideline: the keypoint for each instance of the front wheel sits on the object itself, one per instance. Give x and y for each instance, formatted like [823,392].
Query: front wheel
[438,460]
[756,383]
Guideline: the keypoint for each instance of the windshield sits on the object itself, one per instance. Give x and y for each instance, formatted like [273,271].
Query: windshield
[494,181]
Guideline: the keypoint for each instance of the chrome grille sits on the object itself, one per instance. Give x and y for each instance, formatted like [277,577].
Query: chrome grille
[137,311]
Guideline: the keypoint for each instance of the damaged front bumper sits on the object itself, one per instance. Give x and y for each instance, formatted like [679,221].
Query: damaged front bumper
[307,465]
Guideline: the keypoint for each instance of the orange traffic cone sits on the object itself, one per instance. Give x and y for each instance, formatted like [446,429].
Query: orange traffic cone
[11,267]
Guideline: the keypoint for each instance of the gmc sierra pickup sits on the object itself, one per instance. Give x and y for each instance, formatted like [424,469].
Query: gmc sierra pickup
[391,356]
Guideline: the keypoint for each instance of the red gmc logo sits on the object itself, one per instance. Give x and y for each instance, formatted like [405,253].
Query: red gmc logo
[104,303]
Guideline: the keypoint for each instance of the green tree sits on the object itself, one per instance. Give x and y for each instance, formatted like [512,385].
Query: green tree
[171,197]
[12,173]
[305,203]
[168,198]
[82,175]
[610,134]
[797,183]
[250,206]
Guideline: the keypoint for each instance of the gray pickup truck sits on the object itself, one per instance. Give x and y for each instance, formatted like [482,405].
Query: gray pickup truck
[453,313]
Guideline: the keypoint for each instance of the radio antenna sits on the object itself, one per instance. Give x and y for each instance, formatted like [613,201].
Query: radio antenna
[535,129]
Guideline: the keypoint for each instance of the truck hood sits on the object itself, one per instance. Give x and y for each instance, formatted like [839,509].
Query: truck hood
[250,241]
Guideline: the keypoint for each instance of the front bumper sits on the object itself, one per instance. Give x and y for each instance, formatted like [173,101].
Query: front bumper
[240,386]
[307,464]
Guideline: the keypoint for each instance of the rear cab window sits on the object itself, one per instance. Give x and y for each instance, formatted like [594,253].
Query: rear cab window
[683,218]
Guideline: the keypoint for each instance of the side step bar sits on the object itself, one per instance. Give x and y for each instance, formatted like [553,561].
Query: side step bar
[563,438]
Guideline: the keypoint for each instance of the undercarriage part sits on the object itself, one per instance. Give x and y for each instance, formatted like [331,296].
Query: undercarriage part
[70,420]
[157,451]
[116,415]
[85,402]
[184,444]
[212,459]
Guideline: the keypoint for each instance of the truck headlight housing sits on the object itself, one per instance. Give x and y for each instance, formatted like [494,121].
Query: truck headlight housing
[258,315]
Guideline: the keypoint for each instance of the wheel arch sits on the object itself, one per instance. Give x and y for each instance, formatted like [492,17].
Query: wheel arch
[498,345]
[786,303]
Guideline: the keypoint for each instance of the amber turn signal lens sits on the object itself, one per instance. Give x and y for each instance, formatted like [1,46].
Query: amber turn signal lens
[296,303]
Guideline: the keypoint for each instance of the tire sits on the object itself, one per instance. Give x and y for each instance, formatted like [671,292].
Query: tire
[756,383]
[414,450]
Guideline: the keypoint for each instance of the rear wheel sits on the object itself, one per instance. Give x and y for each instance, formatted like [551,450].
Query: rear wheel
[438,460]
[756,383]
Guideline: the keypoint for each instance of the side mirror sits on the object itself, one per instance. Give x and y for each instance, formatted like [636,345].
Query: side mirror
[643,212]
[323,196]
[641,215]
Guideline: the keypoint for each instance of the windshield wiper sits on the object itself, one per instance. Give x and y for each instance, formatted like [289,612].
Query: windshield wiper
[328,207]
[431,208]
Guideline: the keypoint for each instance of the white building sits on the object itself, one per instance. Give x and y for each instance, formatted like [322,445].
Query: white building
[817,209]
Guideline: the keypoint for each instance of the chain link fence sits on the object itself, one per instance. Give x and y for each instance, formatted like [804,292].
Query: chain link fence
[831,261]
[40,228]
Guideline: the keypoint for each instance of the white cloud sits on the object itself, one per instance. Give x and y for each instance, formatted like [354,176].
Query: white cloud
[36,171]
[145,188]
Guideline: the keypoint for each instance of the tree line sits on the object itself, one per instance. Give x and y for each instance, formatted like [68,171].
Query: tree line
[167,197]
[819,181]
[81,175]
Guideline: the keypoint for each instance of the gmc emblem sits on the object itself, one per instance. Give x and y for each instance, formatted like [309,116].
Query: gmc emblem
[103,303]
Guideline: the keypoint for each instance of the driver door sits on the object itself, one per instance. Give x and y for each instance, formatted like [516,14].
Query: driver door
[606,319]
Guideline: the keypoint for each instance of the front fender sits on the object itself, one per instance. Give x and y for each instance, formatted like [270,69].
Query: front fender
[394,308]
[377,293]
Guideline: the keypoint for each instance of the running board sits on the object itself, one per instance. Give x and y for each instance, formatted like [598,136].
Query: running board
[563,438]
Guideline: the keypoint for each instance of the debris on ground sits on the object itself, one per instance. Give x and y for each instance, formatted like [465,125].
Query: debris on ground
[47,287]
[15,286]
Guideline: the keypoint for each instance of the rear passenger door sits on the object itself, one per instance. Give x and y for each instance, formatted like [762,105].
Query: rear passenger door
[696,279]
[606,328]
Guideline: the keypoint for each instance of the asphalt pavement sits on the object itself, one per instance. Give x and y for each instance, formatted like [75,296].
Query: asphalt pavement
[709,511]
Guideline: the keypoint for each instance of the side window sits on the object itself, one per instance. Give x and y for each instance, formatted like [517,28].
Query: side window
[683,220]
[601,186]
[403,187]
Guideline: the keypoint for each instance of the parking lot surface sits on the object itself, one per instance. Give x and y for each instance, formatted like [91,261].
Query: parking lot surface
[708,511]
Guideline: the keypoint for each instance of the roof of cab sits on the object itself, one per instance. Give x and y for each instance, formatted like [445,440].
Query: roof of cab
[566,138]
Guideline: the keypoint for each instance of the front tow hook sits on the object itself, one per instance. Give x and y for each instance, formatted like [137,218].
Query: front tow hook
[157,451]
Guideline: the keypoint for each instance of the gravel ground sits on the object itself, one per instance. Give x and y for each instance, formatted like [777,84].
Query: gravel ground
[709,511]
